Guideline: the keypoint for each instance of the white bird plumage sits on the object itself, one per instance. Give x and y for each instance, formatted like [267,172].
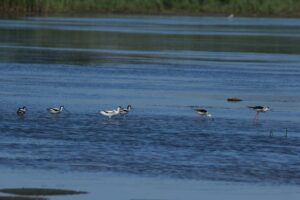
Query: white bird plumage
[110,113]
[56,110]
[230,16]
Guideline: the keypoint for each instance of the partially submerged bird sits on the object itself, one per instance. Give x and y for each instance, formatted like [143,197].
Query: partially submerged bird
[124,111]
[21,111]
[203,112]
[259,109]
[55,110]
[110,113]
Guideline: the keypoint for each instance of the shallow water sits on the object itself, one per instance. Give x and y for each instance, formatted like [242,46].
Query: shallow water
[163,67]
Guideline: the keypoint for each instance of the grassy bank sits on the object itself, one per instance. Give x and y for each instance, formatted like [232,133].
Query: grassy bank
[192,7]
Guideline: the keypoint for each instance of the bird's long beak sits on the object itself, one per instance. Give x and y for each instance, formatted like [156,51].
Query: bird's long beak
[67,110]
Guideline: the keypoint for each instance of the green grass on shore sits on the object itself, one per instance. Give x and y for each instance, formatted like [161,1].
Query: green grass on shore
[189,7]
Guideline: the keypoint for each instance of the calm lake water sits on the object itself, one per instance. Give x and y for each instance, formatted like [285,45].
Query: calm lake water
[163,67]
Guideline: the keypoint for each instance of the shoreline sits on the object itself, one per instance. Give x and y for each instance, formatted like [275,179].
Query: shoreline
[183,14]
[99,15]
[115,186]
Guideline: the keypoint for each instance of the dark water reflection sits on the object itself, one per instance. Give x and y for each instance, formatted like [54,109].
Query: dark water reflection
[163,66]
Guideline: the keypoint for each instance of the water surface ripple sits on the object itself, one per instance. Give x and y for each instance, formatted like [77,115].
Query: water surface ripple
[164,67]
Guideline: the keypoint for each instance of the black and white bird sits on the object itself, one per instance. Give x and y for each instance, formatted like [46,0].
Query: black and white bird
[21,111]
[110,113]
[124,111]
[55,110]
[259,109]
[203,112]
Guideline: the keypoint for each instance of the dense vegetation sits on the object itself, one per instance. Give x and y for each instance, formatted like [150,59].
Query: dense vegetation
[192,7]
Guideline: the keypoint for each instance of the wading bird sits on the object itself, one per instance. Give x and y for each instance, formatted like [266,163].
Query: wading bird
[124,111]
[21,111]
[55,110]
[110,113]
[258,110]
[203,112]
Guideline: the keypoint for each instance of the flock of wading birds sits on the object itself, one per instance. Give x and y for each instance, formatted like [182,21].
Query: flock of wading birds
[124,111]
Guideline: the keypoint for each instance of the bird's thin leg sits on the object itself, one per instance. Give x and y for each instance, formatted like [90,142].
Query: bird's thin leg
[256,117]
